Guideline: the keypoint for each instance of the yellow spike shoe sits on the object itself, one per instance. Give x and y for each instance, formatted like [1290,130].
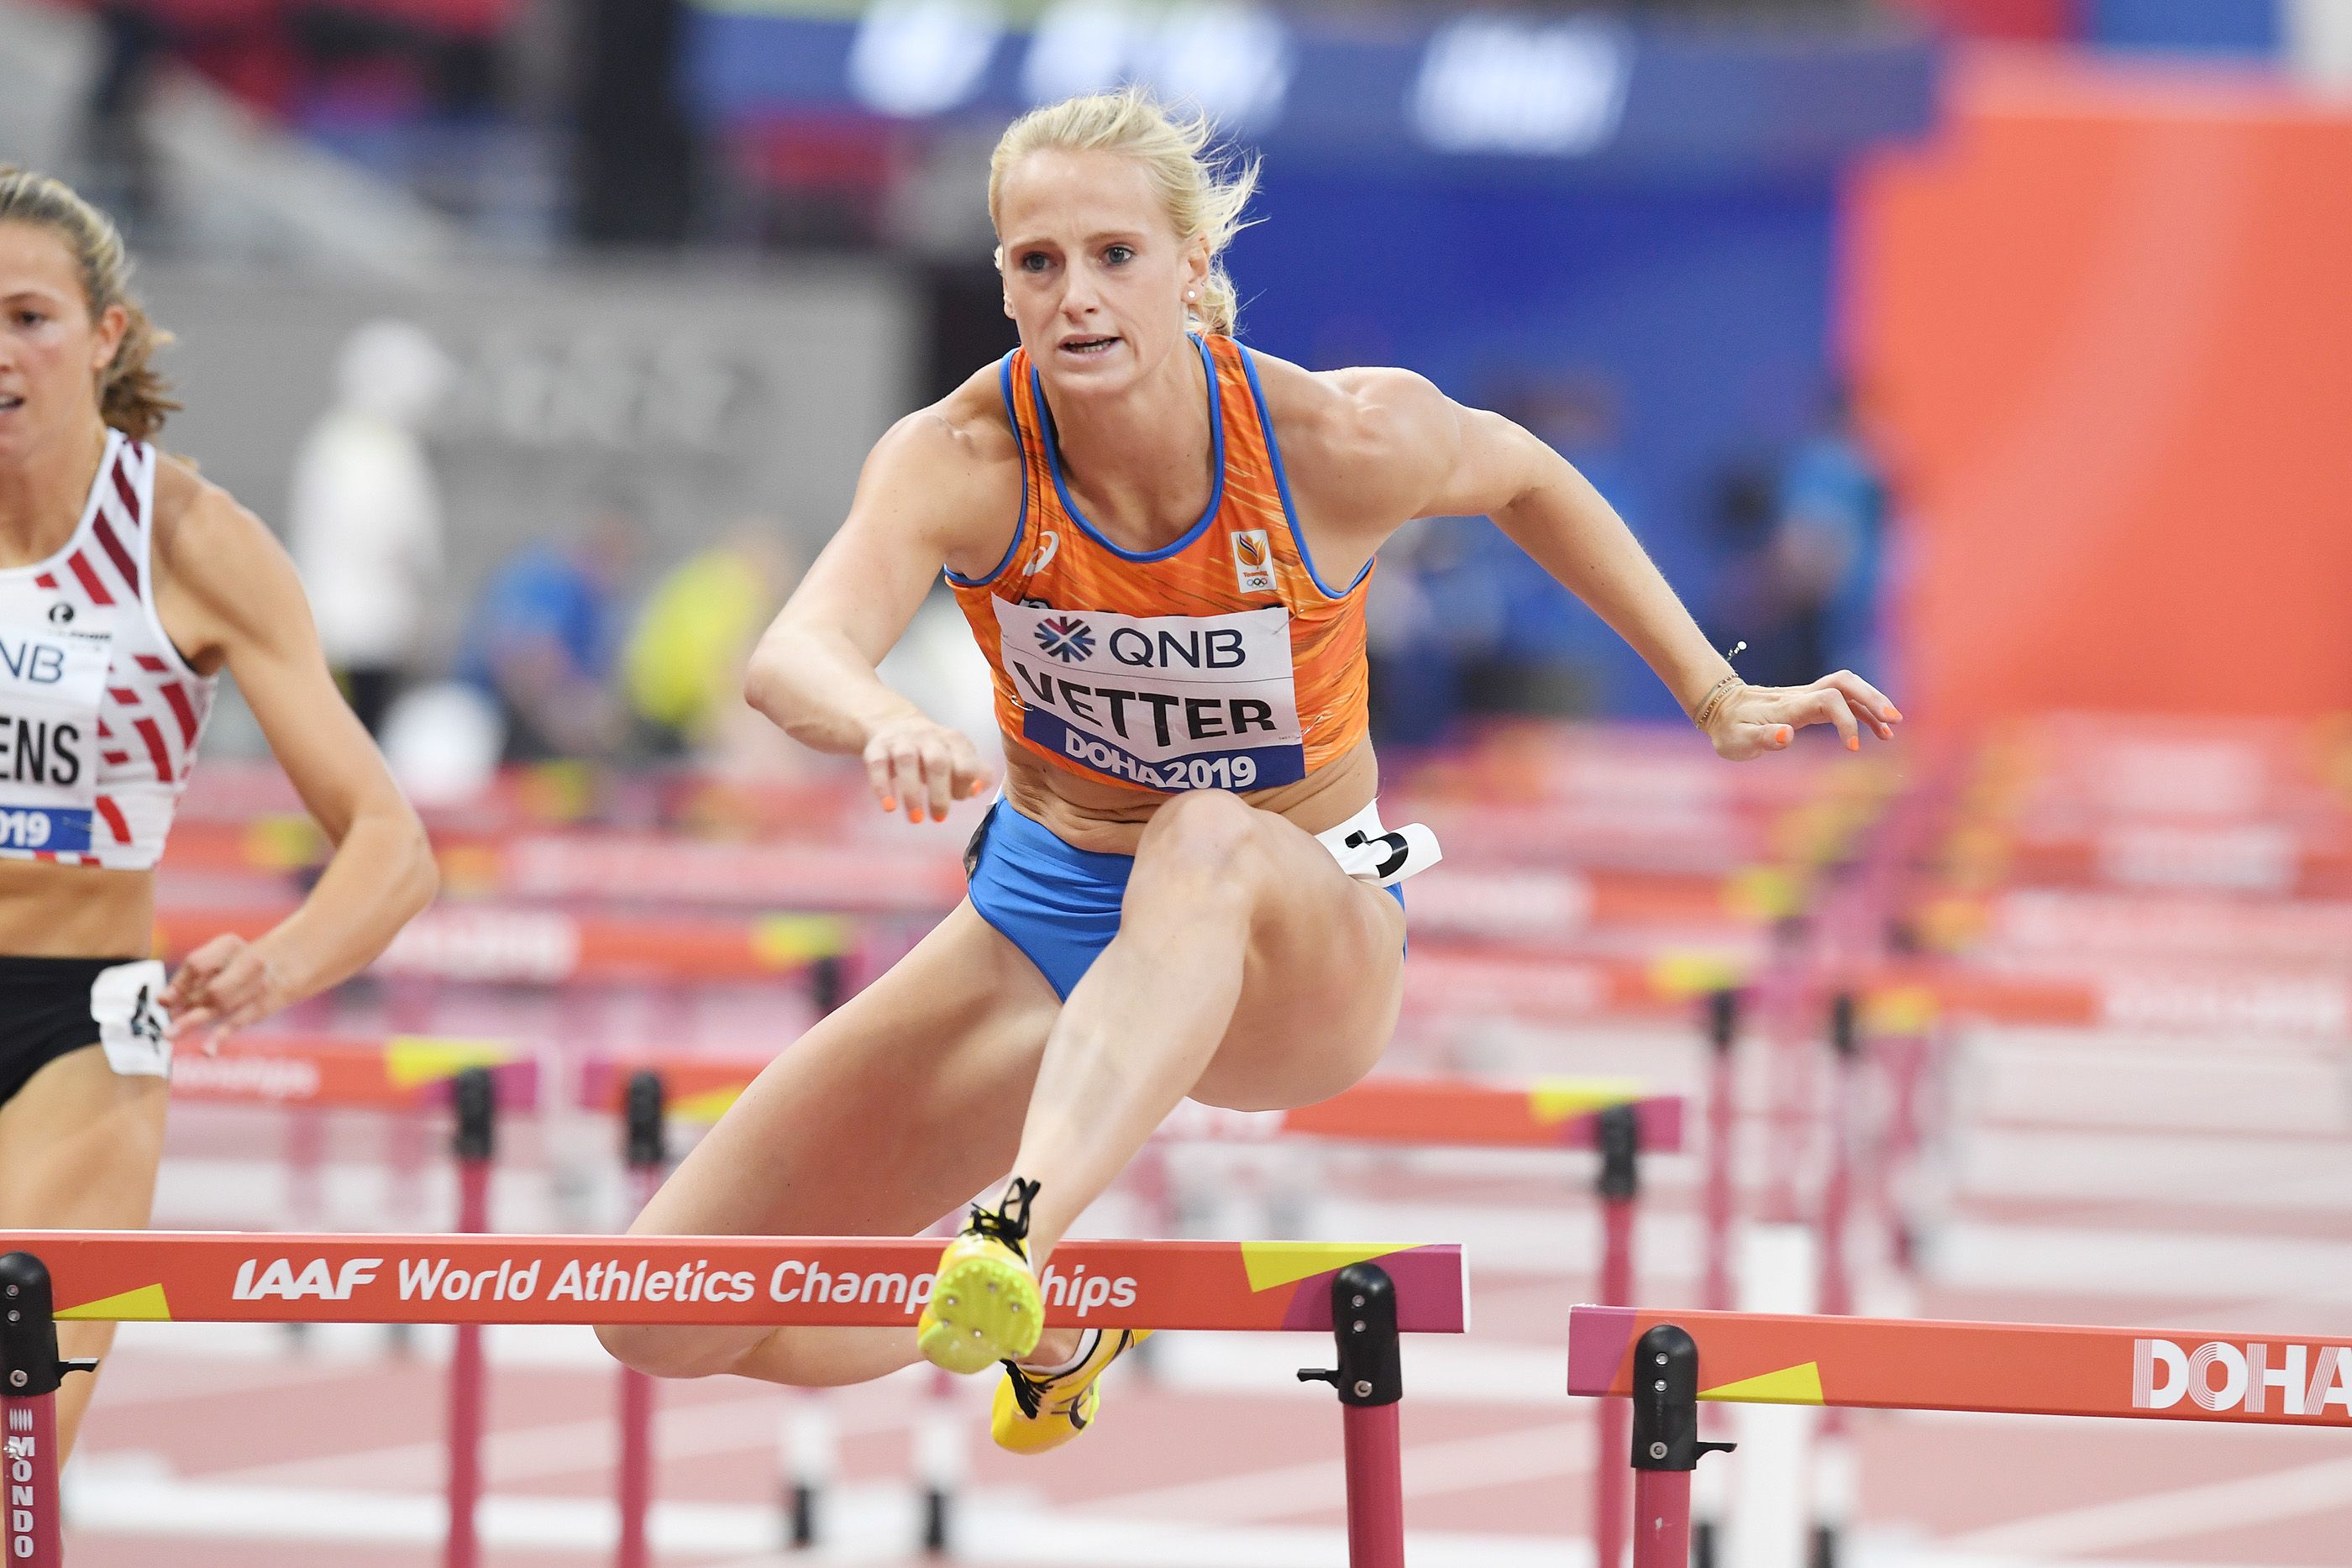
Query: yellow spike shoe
[984,1306]
[1031,1415]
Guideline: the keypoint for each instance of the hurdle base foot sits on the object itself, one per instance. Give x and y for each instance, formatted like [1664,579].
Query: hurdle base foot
[938,1508]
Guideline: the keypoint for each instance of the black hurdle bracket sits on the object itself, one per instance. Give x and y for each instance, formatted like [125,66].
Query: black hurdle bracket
[1722,1019]
[1666,1402]
[475,1097]
[648,1121]
[1364,1327]
[1845,1031]
[1618,1134]
[29,1330]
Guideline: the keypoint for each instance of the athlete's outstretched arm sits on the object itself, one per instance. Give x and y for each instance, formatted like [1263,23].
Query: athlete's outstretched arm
[246,609]
[812,672]
[1464,461]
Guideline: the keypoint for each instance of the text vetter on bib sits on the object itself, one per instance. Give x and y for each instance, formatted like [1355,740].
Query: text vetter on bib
[1170,702]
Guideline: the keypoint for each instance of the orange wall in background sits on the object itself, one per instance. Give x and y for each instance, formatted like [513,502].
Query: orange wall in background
[2104,322]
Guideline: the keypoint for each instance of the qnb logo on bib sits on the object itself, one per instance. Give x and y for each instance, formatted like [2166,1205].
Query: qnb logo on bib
[1066,637]
[1170,702]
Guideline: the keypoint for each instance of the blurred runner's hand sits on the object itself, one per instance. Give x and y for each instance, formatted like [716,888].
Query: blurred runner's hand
[1754,720]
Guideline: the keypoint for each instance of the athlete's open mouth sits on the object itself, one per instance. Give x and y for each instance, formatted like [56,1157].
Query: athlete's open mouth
[1084,346]
[9,401]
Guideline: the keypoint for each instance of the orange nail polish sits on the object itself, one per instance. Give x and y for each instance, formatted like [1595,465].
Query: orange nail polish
[1854,743]
[1894,713]
[915,815]
[889,802]
[1783,735]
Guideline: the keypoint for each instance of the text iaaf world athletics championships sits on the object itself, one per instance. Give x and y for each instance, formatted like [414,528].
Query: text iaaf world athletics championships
[794,1279]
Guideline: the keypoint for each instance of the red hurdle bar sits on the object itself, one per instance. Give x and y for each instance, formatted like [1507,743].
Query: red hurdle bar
[1668,1361]
[1365,1294]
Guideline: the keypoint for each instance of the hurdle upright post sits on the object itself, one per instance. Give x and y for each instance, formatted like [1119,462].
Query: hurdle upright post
[1833,1480]
[28,1405]
[1619,1138]
[475,1094]
[1720,1211]
[1667,1446]
[1370,1380]
[648,1154]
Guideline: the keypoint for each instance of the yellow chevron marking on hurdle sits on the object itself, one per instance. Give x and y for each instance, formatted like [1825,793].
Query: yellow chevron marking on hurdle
[1694,972]
[411,1061]
[1761,892]
[1272,1263]
[144,1305]
[1789,1386]
[707,1106]
[1556,1099]
[1900,1009]
[785,940]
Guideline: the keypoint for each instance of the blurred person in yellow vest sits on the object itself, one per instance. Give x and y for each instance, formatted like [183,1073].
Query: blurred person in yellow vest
[682,671]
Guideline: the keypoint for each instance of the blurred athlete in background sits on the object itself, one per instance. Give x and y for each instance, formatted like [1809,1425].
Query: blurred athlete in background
[127,584]
[1161,541]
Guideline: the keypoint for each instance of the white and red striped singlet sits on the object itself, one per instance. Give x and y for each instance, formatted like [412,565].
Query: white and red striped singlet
[100,716]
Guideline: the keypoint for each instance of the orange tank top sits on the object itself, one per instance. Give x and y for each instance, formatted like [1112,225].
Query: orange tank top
[1221,661]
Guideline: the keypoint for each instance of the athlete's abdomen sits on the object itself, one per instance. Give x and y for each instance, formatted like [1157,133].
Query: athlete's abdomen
[49,910]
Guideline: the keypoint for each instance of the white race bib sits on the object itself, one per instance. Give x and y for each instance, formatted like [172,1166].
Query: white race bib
[50,688]
[1170,702]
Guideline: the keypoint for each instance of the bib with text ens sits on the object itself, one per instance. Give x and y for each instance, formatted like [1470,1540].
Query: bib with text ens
[51,685]
[1170,702]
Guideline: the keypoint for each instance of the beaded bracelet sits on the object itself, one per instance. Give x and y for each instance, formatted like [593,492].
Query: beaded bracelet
[1715,699]
[1720,693]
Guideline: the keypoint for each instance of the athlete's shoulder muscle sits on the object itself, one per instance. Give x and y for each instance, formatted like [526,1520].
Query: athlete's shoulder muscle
[221,576]
[947,477]
[1362,448]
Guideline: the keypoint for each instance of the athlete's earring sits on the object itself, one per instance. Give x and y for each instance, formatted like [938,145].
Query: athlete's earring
[1191,295]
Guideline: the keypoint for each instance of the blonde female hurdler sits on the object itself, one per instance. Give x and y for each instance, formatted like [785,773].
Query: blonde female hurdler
[1161,541]
[127,584]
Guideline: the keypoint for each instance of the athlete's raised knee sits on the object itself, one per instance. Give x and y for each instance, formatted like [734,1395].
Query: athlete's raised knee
[1212,836]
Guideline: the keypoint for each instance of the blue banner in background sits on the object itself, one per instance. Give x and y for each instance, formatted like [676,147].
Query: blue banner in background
[1542,93]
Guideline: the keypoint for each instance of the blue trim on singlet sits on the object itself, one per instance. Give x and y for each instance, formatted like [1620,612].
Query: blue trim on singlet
[1216,491]
[1282,487]
[1022,449]
[1059,904]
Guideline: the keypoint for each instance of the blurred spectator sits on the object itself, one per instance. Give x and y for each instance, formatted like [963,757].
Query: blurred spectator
[683,670]
[1825,556]
[541,639]
[364,514]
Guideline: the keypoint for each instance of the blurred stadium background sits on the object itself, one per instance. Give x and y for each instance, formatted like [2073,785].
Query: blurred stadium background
[1999,350]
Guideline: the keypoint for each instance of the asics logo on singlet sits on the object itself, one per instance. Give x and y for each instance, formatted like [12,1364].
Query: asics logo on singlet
[1066,637]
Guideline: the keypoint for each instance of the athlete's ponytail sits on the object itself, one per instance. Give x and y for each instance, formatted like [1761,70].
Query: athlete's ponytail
[1205,192]
[132,396]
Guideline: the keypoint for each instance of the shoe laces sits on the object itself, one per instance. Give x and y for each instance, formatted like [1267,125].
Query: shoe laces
[1028,1392]
[1000,1224]
[1029,1389]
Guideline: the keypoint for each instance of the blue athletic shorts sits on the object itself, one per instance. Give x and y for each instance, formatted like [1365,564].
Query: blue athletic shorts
[1056,902]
